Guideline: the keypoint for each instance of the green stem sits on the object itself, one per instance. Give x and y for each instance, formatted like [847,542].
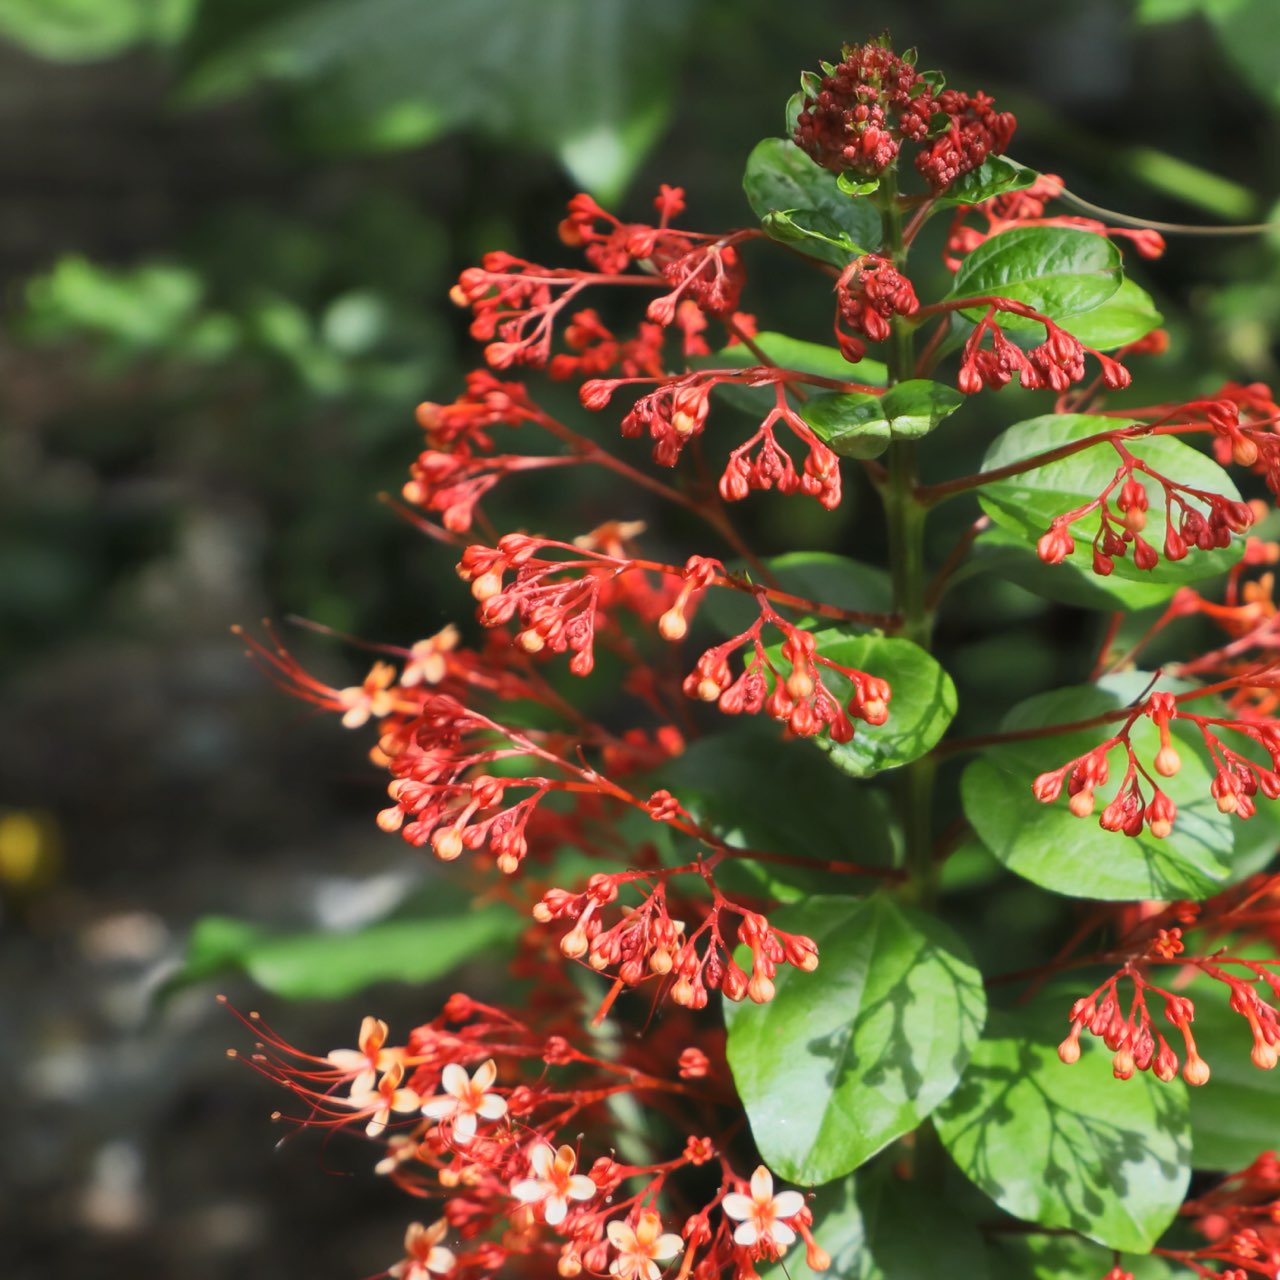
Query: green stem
[905,516]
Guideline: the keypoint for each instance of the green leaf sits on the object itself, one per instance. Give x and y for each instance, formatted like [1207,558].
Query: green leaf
[863,426]
[718,781]
[1047,845]
[587,80]
[998,550]
[1040,1257]
[855,187]
[1069,1147]
[847,1058]
[76,30]
[1060,271]
[922,706]
[1026,504]
[813,575]
[780,178]
[995,176]
[1235,1115]
[1126,316]
[326,965]
[802,227]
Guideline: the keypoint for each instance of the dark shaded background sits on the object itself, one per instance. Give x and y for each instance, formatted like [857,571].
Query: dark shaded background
[227,235]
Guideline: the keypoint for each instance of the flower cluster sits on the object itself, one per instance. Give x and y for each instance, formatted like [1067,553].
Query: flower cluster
[1236,781]
[1194,519]
[800,698]
[493,1154]
[1158,937]
[869,293]
[646,942]
[857,116]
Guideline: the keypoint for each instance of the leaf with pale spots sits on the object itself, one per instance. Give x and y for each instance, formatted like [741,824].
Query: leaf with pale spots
[1048,845]
[847,1058]
[1068,1146]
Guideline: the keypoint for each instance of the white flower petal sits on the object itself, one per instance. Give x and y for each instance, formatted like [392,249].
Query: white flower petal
[762,1185]
[746,1234]
[440,1259]
[405,1100]
[377,1123]
[782,1234]
[667,1246]
[486,1074]
[464,1127]
[454,1080]
[555,1210]
[736,1205]
[620,1235]
[542,1159]
[440,1108]
[530,1190]
[492,1107]
[580,1187]
[649,1269]
[348,1059]
[786,1204]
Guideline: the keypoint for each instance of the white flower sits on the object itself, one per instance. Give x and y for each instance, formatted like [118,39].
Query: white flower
[465,1098]
[759,1213]
[379,1101]
[555,1184]
[365,1062]
[424,1253]
[640,1249]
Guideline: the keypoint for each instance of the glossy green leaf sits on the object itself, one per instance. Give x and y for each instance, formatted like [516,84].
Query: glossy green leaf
[864,426]
[922,706]
[1027,504]
[1047,845]
[1235,1116]
[819,576]
[1126,316]
[847,1058]
[718,780]
[1060,271]
[995,176]
[326,965]
[780,178]
[1069,1146]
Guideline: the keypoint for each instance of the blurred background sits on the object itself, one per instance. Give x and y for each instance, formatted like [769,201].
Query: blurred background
[227,236]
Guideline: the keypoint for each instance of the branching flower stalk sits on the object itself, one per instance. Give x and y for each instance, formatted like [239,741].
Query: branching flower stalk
[766,929]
